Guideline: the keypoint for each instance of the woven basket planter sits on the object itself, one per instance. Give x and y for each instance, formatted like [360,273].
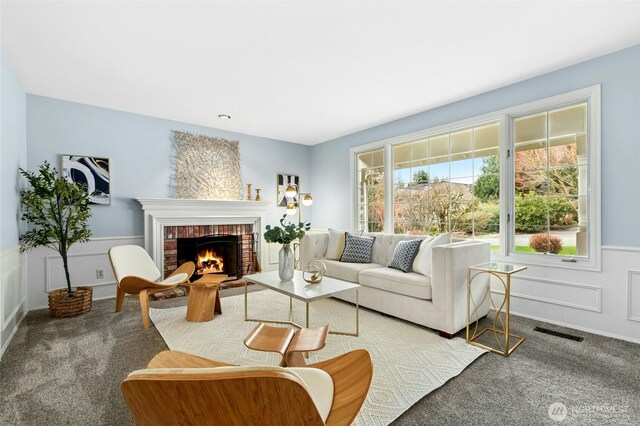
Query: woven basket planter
[63,305]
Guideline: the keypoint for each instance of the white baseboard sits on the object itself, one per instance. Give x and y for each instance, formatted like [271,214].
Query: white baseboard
[13,333]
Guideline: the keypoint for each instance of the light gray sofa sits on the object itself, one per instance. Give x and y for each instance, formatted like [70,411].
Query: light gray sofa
[438,301]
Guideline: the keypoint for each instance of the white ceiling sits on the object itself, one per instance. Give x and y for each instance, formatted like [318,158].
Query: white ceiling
[304,71]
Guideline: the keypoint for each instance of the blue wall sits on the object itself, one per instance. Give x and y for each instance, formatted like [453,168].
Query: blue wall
[619,75]
[13,151]
[139,149]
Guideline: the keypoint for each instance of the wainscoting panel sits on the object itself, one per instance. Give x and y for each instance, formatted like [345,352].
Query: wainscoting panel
[573,295]
[47,272]
[604,302]
[274,249]
[633,296]
[13,294]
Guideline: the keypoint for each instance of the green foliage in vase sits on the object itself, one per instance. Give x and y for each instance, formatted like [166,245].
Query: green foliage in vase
[58,211]
[287,233]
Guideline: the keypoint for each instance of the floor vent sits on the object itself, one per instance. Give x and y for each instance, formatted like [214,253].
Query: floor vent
[558,334]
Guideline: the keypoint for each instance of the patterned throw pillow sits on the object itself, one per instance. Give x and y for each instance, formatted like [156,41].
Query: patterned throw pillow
[404,254]
[357,249]
[336,243]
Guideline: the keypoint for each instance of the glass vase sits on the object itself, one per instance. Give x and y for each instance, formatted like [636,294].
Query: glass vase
[285,262]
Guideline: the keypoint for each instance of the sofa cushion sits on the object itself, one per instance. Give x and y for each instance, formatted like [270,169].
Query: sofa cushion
[395,281]
[385,244]
[336,244]
[357,249]
[404,254]
[422,262]
[346,271]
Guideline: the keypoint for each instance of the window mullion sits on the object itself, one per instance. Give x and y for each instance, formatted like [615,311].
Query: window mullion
[388,225]
[507,187]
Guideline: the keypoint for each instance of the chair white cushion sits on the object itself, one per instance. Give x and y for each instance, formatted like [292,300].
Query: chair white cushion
[174,279]
[320,385]
[422,262]
[318,382]
[133,260]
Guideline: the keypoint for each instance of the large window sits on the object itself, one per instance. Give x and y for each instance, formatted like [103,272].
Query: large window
[550,181]
[523,179]
[449,182]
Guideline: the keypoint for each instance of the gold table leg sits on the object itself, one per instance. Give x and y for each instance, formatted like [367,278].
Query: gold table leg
[472,338]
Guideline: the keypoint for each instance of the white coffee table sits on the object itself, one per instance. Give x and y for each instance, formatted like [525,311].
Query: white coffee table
[299,289]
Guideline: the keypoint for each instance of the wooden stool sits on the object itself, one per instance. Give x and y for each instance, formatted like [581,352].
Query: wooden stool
[204,298]
[287,342]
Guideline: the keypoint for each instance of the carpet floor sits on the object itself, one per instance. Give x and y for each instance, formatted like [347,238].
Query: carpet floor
[60,372]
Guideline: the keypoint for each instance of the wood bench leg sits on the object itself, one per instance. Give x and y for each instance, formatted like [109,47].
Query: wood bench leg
[293,359]
[218,306]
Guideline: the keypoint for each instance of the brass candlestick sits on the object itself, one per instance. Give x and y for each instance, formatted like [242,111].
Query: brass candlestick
[249,191]
[258,194]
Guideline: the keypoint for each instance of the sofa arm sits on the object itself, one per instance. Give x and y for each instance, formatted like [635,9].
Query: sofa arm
[450,264]
[313,246]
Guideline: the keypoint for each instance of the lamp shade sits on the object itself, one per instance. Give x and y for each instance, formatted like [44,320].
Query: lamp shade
[291,191]
[307,199]
[291,208]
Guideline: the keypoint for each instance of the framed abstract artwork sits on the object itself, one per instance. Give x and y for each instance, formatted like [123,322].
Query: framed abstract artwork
[282,182]
[91,171]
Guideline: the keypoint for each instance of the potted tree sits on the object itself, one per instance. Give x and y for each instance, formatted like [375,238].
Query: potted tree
[58,211]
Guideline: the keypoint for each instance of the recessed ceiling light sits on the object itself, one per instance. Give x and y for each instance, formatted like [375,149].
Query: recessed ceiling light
[224,117]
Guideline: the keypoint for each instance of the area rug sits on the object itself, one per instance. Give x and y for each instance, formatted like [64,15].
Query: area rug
[409,361]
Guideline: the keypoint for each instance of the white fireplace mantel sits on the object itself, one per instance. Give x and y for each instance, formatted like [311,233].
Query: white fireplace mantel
[161,212]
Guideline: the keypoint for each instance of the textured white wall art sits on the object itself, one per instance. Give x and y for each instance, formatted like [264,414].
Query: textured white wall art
[206,168]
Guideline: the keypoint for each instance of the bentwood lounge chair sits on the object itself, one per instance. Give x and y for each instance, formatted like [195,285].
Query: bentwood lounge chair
[178,388]
[137,274]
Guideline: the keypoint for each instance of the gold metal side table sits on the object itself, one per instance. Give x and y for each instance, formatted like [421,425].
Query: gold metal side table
[503,272]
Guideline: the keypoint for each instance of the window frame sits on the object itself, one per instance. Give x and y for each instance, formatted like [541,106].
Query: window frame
[505,117]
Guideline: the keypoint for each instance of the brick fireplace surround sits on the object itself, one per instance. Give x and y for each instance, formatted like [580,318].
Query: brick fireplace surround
[172,233]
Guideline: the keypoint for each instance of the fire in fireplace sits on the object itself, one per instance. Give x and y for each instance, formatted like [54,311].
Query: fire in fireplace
[219,254]
[209,262]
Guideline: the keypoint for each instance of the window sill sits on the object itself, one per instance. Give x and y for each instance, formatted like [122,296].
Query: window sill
[550,261]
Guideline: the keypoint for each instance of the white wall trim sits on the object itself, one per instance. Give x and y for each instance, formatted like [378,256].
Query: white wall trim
[575,327]
[597,289]
[13,333]
[10,251]
[132,237]
[5,274]
[622,248]
[5,323]
[47,267]
[630,316]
